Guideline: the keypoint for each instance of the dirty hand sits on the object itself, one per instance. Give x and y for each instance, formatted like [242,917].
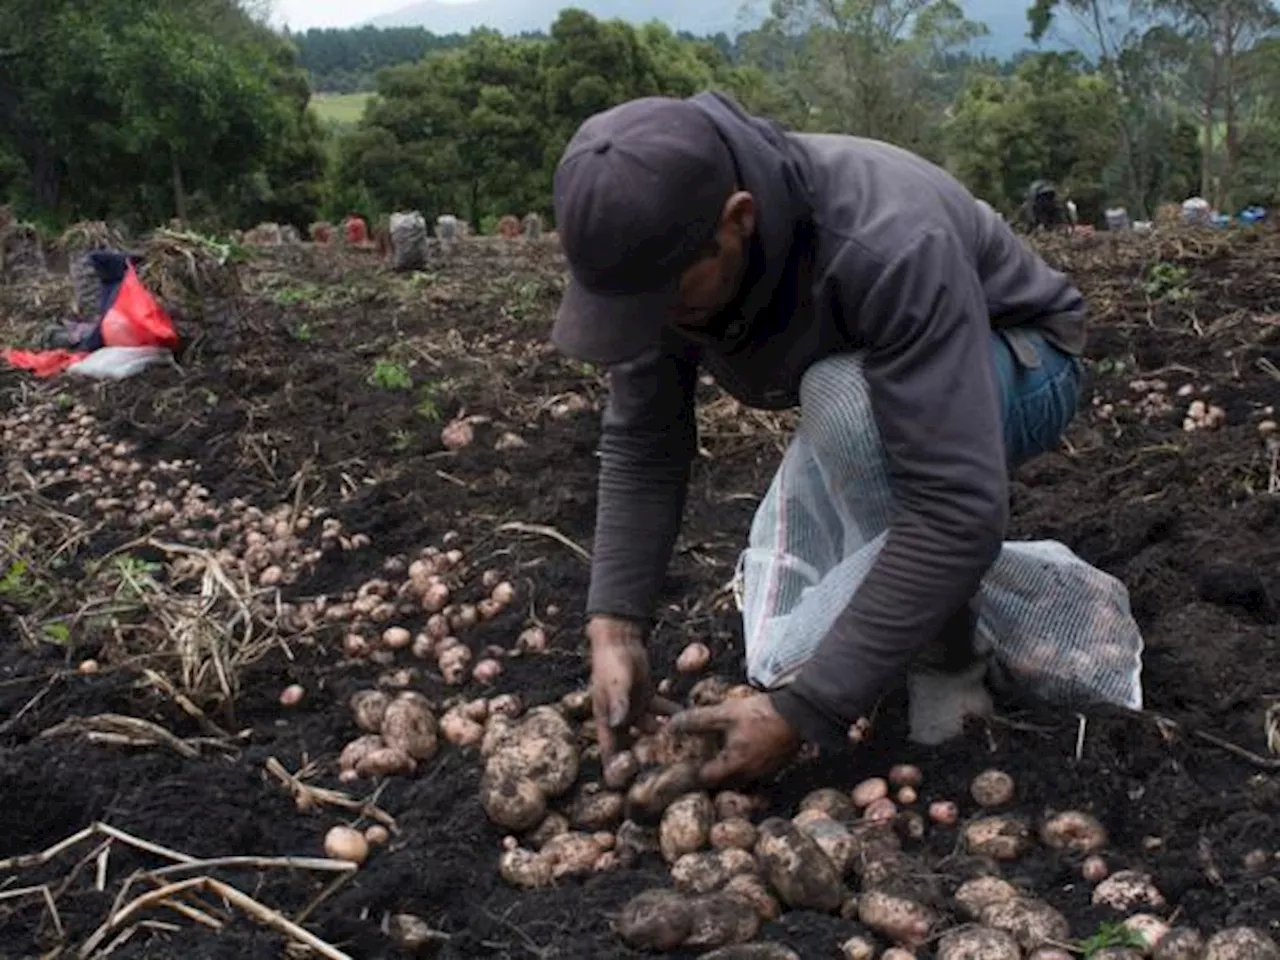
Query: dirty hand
[757,740]
[621,686]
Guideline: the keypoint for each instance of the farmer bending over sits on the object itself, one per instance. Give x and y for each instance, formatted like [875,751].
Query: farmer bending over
[928,349]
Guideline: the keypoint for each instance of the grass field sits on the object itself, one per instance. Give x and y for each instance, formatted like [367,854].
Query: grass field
[343,109]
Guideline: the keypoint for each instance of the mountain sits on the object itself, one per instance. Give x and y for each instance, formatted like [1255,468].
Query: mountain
[1006,19]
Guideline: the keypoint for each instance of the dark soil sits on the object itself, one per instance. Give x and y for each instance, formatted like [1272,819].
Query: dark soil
[276,397]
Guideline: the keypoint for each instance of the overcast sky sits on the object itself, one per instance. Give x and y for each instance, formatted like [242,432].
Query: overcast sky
[301,14]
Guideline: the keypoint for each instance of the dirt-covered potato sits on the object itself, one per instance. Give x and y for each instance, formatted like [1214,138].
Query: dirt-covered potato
[992,788]
[552,825]
[598,811]
[1241,943]
[699,873]
[368,708]
[499,733]
[754,890]
[546,723]
[978,943]
[635,841]
[1128,890]
[977,894]
[731,805]
[897,918]
[686,826]
[877,854]
[386,761]
[409,726]
[998,837]
[796,867]
[358,749]
[869,791]
[834,839]
[1030,922]
[576,705]
[1180,943]
[656,920]
[524,868]
[735,833]
[834,803]
[655,790]
[1116,953]
[1074,832]
[551,763]
[738,862]
[906,775]
[752,951]
[460,730]
[858,948]
[572,854]
[720,919]
[897,953]
[512,801]
[1050,953]
[621,770]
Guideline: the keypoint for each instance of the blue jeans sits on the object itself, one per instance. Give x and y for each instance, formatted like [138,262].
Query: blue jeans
[1038,403]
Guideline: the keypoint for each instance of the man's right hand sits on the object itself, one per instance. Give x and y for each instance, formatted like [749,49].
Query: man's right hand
[622,694]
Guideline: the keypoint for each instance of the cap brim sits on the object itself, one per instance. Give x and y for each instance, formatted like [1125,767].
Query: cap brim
[609,329]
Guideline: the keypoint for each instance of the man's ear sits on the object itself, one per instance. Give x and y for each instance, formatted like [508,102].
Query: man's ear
[740,213]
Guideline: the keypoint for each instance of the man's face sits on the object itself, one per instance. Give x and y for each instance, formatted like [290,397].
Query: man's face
[712,283]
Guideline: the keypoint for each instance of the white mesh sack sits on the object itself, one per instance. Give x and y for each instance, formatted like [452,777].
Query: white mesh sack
[1059,627]
[408,242]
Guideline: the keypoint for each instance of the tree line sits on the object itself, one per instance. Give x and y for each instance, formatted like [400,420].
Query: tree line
[141,110]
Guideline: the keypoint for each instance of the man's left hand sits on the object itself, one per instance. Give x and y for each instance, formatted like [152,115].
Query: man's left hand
[757,740]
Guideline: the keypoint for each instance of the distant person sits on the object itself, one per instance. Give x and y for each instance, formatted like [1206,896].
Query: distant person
[928,349]
[1042,210]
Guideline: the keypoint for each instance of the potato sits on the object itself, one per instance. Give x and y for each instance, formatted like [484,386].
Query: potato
[906,775]
[1094,869]
[730,805]
[753,890]
[978,943]
[699,873]
[735,833]
[1126,891]
[875,848]
[414,936]
[1241,943]
[512,801]
[1050,953]
[572,854]
[834,839]
[635,841]
[358,749]
[1148,928]
[655,790]
[598,811]
[796,867]
[977,894]
[944,813]
[720,919]
[693,658]
[686,826]
[396,638]
[992,788]
[576,705]
[897,918]
[551,764]
[410,726]
[1116,953]
[999,837]
[524,868]
[1074,832]
[1180,943]
[1030,922]
[621,770]
[344,843]
[738,862]
[858,948]
[869,791]
[546,723]
[834,803]
[368,707]
[880,811]
[752,951]
[552,825]
[897,953]
[460,731]
[656,920]
[385,762]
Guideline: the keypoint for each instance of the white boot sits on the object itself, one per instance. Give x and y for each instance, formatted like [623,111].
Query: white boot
[939,703]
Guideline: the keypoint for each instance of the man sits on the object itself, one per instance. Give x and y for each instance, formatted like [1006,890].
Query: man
[1042,209]
[903,316]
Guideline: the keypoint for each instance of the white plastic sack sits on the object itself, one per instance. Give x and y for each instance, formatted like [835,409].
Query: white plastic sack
[119,363]
[1059,627]
[408,242]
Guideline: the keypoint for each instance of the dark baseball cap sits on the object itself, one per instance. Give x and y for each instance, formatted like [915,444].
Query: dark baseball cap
[639,194]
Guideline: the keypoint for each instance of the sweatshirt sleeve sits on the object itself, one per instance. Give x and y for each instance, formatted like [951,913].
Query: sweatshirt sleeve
[647,444]
[935,399]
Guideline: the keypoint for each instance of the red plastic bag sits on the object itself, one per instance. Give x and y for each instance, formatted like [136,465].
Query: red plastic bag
[43,363]
[136,319]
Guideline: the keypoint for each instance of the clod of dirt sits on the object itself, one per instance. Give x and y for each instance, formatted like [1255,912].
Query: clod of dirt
[900,919]
[998,837]
[754,890]
[1241,943]
[415,936]
[992,788]
[869,791]
[796,868]
[1074,832]
[686,826]
[1031,922]
[830,802]
[524,868]
[858,948]
[733,834]
[753,951]
[978,943]
[721,919]
[977,894]
[1180,943]
[832,838]
[369,707]
[1126,891]
[656,920]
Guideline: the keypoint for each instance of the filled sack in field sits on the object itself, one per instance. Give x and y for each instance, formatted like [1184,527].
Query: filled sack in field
[408,242]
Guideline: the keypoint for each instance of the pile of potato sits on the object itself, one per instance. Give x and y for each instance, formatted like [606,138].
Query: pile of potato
[401,732]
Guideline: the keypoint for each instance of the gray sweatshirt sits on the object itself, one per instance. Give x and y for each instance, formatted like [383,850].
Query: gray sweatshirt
[860,246]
